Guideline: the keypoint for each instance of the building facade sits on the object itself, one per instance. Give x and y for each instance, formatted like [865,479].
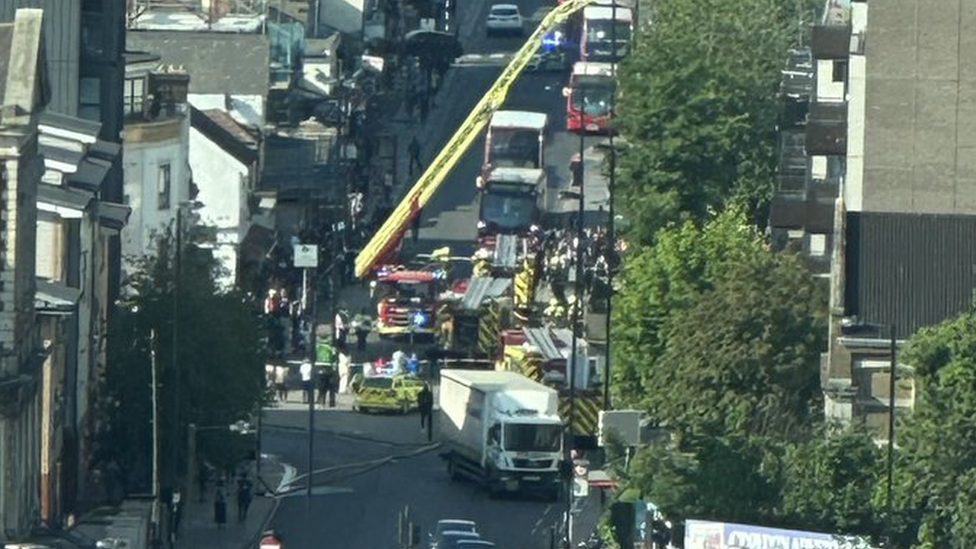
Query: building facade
[224,158]
[24,92]
[74,230]
[906,211]
[157,141]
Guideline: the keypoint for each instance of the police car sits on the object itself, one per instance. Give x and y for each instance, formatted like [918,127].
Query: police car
[387,393]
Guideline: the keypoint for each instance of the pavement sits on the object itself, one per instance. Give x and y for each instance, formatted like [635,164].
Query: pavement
[199,531]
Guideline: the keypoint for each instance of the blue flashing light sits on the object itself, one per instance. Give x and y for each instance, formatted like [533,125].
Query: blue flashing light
[553,40]
[419,318]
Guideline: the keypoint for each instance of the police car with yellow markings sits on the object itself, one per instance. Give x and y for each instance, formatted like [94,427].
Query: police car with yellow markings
[388,393]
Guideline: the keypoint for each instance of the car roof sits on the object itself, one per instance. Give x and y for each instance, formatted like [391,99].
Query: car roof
[460,534]
[475,542]
[457,521]
[504,6]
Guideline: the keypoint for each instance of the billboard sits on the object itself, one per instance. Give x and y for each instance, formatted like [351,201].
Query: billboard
[704,534]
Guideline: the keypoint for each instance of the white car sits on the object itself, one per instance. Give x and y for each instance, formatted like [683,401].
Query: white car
[504,18]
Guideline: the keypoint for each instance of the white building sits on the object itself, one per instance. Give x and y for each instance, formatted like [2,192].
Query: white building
[156,159]
[224,158]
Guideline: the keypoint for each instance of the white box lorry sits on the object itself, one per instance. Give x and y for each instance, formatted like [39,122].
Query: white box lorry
[502,429]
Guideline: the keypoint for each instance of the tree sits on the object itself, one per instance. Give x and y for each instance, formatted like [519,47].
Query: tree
[935,468]
[699,104]
[659,280]
[828,482]
[221,359]
[743,358]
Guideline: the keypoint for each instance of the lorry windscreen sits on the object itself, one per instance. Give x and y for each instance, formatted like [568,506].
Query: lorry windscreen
[531,437]
[508,211]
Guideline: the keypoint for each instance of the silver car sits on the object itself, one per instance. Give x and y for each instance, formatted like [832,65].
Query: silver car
[450,538]
[474,544]
[504,18]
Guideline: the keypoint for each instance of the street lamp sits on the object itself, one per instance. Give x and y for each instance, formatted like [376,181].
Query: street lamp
[578,170]
[175,353]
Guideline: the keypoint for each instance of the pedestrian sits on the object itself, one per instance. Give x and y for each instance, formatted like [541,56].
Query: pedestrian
[176,514]
[281,376]
[339,330]
[220,508]
[243,497]
[414,151]
[202,478]
[361,325]
[425,402]
[323,383]
[333,383]
[308,389]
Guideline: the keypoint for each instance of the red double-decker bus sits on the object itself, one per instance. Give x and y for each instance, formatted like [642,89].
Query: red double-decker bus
[589,97]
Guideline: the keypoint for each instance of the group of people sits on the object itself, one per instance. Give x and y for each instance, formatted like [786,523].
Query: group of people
[399,363]
[288,327]
[244,498]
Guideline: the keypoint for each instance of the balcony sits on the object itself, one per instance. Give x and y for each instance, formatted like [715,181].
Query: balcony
[827,129]
[831,41]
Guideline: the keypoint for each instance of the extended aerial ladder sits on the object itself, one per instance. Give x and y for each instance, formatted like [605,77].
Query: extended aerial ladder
[389,234]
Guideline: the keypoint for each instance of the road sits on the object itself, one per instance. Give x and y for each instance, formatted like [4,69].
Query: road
[371,467]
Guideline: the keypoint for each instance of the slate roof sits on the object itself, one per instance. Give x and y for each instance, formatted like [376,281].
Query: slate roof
[223,130]
[55,296]
[64,197]
[909,270]
[218,63]
[70,123]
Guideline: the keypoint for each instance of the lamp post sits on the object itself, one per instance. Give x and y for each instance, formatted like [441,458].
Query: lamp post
[155,519]
[578,176]
[173,466]
[611,238]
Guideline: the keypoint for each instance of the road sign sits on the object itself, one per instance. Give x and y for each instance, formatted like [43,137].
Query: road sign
[581,488]
[270,542]
[306,256]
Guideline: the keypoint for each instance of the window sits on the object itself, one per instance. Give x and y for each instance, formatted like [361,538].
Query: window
[818,245]
[135,90]
[840,71]
[163,186]
[89,99]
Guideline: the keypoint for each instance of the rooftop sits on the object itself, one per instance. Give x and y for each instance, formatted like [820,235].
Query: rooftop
[226,132]
[218,63]
[518,119]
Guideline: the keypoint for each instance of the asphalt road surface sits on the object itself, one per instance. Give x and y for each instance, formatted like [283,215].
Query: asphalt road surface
[370,467]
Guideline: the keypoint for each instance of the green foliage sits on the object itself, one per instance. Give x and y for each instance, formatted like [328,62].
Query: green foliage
[718,478]
[829,480]
[699,104]
[744,357]
[221,359]
[659,280]
[935,469]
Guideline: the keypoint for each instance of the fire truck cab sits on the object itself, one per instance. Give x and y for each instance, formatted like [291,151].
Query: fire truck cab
[406,300]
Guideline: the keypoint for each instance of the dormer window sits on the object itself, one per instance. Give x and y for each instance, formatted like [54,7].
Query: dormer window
[135,95]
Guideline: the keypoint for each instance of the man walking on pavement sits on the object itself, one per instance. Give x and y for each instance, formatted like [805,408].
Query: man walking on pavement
[414,151]
[425,401]
[243,497]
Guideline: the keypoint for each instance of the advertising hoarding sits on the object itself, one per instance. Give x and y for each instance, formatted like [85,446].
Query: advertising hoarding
[704,534]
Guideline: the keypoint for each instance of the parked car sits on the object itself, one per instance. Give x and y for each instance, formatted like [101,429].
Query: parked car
[504,19]
[450,538]
[396,393]
[474,544]
[451,525]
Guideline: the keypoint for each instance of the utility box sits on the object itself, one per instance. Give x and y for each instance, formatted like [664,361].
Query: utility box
[624,424]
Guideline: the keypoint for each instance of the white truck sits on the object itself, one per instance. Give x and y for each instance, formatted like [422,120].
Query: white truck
[501,429]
